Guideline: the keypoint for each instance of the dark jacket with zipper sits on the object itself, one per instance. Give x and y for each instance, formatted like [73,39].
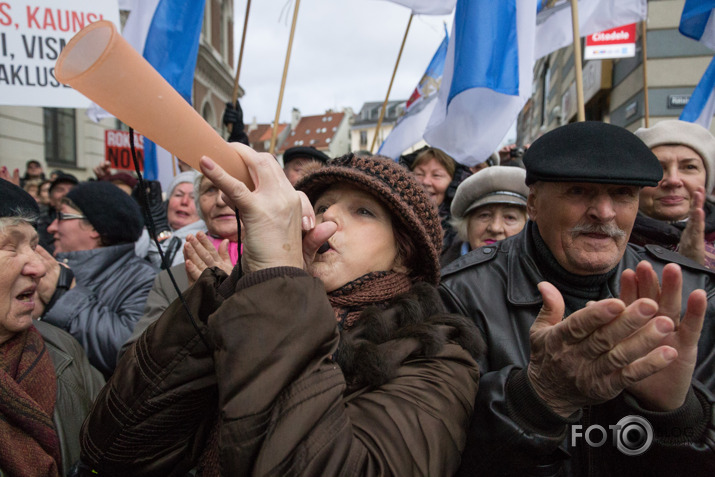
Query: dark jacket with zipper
[513,432]
[267,368]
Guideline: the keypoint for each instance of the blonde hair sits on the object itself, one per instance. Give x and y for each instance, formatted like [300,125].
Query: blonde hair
[441,157]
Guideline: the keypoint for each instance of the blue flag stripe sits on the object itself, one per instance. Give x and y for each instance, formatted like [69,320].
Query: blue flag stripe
[696,14]
[701,95]
[486,47]
[171,47]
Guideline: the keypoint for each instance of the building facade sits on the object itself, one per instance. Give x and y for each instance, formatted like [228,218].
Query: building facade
[364,124]
[65,138]
[328,132]
[614,90]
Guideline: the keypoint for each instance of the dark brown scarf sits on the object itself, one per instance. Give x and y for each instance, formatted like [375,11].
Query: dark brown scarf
[29,445]
[373,289]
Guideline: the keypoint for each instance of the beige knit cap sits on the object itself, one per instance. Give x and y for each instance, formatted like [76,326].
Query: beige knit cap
[694,136]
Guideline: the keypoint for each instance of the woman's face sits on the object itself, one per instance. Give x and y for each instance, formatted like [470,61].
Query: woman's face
[493,222]
[20,272]
[435,179]
[683,172]
[364,241]
[220,219]
[45,193]
[182,209]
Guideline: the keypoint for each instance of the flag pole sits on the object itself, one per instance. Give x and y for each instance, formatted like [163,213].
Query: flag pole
[577,61]
[389,88]
[234,96]
[646,107]
[173,164]
[274,136]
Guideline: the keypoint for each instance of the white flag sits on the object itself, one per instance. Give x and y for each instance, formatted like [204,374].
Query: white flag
[428,7]
[554,24]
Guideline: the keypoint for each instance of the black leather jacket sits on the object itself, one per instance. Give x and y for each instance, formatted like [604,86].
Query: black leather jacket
[513,432]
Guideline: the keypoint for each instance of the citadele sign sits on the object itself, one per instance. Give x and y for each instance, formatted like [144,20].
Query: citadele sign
[117,149]
[614,43]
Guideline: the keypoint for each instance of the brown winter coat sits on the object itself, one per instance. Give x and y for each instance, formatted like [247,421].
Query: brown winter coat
[269,373]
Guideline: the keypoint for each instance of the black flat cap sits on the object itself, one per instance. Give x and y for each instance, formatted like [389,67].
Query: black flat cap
[592,151]
[304,151]
[63,178]
[15,202]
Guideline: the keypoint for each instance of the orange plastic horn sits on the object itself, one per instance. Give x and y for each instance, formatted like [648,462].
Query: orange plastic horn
[99,63]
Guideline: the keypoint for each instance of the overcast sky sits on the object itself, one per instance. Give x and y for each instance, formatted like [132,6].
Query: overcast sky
[344,52]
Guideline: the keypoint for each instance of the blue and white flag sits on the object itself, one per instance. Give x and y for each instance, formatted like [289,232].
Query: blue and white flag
[166,33]
[487,78]
[554,23]
[428,7]
[697,23]
[701,105]
[411,125]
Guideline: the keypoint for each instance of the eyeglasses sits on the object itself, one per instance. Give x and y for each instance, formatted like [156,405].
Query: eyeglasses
[63,216]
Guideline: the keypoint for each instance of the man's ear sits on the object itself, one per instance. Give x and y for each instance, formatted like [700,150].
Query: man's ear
[95,235]
[531,204]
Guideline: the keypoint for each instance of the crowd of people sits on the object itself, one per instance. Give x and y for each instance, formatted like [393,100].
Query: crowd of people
[548,312]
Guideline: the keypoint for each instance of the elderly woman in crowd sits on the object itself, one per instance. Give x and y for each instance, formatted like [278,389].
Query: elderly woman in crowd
[46,383]
[331,355]
[217,247]
[675,214]
[183,220]
[435,170]
[489,206]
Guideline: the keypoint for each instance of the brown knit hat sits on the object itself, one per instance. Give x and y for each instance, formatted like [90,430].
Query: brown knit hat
[398,190]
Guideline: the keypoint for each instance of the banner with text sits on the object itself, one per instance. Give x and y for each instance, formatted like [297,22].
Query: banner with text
[117,149]
[614,43]
[32,35]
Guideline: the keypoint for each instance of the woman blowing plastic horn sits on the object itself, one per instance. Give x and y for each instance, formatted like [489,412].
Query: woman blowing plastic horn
[341,362]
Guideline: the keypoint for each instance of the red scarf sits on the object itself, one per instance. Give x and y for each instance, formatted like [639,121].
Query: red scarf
[29,445]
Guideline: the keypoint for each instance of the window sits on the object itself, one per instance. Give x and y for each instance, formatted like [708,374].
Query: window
[312,141]
[60,136]
[328,140]
[363,138]
[307,131]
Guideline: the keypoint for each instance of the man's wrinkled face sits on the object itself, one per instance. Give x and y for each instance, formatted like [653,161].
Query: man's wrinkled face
[585,225]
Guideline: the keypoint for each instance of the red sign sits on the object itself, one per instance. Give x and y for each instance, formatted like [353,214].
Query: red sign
[117,149]
[614,36]
[614,43]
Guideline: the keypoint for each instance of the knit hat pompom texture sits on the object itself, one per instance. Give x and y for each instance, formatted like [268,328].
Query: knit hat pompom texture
[398,190]
[676,132]
[112,212]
